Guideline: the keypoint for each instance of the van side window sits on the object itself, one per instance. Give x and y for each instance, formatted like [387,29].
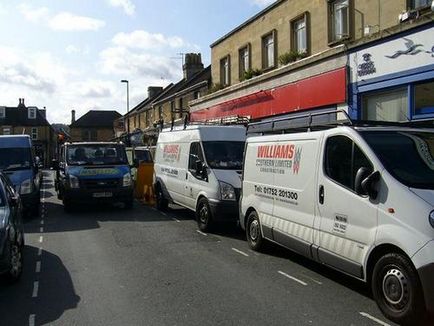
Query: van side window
[195,154]
[343,158]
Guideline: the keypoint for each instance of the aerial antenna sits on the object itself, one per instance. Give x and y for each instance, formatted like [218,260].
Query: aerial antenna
[179,56]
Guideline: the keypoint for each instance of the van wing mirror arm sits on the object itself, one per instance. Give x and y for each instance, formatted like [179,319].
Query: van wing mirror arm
[369,184]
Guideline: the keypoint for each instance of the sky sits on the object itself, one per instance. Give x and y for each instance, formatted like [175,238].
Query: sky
[72,54]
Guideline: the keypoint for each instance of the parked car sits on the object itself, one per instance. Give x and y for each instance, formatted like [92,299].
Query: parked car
[199,167]
[11,231]
[18,162]
[359,199]
[90,172]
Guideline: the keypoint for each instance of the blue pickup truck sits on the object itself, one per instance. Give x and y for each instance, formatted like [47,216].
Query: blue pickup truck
[92,172]
[19,163]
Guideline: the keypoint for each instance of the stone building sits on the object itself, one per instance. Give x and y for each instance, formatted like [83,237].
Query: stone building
[95,125]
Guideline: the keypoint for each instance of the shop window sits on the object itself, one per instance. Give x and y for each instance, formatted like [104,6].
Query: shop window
[339,20]
[390,105]
[417,4]
[6,131]
[269,47]
[2,112]
[424,98]
[299,33]
[34,133]
[244,60]
[225,70]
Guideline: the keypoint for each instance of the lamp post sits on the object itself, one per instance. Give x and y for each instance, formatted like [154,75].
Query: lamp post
[128,107]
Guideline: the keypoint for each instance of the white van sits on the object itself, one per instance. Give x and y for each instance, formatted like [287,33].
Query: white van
[199,167]
[359,199]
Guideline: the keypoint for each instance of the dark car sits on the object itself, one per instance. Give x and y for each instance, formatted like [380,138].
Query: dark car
[11,231]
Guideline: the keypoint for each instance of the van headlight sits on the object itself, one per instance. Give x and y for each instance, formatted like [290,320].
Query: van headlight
[431,218]
[73,182]
[126,180]
[26,187]
[227,191]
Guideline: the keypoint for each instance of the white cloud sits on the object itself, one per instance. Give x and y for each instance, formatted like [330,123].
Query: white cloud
[127,5]
[63,21]
[263,3]
[72,49]
[95,89]
[66,21]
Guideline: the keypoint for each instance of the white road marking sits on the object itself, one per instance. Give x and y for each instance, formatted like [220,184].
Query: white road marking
[41,229]
[32,320]
[154,209]
[164,214]
[200,232]
[35,289]
[42,222]
[293,278]
[240,252]
[176,220]
[38,266]
[41,238]
[313,280]
[40,251]
[378,321]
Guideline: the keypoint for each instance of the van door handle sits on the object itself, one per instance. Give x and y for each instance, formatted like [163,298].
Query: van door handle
[321,194]
[186,175]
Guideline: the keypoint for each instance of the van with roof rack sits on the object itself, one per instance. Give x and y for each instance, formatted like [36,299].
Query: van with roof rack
[355,196]
[199,167]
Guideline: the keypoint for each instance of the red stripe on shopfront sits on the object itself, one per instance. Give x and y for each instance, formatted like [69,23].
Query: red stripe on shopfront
[317,91]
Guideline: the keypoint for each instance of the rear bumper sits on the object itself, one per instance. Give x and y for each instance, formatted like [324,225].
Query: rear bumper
[99,195]
[224,210]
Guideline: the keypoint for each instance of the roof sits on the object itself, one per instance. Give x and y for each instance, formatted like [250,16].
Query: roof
[19,116]
[147,101]
[96,119]
[248,22]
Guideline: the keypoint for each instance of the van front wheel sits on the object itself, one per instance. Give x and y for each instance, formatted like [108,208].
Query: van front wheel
[396,289]
[203,215]
[253,232]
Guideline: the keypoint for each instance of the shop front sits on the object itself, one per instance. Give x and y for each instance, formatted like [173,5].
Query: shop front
[393,79]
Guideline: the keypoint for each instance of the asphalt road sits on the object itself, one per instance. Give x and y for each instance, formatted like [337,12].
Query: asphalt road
[110,266]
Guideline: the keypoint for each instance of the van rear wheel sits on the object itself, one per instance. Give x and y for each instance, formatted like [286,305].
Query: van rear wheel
[203,215]
[396,289]
[253,232]
[161,202]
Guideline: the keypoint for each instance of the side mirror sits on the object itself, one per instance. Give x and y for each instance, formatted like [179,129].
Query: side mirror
[365,182]
[55,164]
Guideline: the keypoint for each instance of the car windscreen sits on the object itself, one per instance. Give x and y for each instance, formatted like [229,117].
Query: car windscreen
[407,155]
[96,154]
[227,155]
[15,158]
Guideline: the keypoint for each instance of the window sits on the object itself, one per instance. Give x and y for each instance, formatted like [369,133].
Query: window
[32,113]
[197,95]
[391,105]
[424,98]
[269,50]
[244,60]
[225,71]
[89,135]
[6,131]
[160,112]
[299,28]
[343,159]
[2,112]
[339,20]
[34,133]
[195,155]
[416,4]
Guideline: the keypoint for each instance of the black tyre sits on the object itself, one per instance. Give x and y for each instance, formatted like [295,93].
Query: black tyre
[128,204]
[35,209]
[396,289]
[161,202]
[253,232]
[204,215]
[16,261]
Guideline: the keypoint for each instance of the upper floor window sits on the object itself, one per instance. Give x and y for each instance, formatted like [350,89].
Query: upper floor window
[244,59]
[299,31]
[339,11]
[225,71]
[34,133]
[269,50]
[416,4]
[2,112]
[32,113]
[197,95]
[89,135]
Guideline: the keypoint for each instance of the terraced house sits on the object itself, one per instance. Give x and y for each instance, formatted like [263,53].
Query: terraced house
[298,55]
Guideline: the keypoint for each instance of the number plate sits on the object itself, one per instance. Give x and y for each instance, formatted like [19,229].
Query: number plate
[102,194]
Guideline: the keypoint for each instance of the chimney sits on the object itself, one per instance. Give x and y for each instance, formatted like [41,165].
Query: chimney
[43,112]
[72,116]
[193,64]
[154,91]
[21,103]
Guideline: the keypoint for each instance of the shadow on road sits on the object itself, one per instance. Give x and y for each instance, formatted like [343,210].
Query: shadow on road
[56,292]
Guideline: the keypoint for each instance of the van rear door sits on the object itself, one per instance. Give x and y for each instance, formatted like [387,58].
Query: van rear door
[348,221]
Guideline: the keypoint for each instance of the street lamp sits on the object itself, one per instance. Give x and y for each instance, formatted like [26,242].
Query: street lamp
[128,106]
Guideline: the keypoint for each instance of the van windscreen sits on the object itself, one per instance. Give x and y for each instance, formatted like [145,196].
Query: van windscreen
[19,158]
[96,154]
[407,155]
[226,155]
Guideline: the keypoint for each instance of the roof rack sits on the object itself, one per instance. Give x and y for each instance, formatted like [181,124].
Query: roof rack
[303,122]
